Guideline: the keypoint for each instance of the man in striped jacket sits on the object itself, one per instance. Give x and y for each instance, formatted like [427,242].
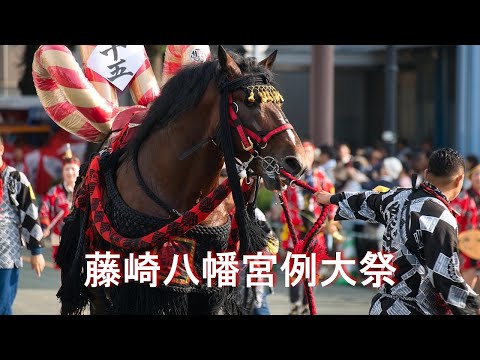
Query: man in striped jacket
[420,237]
[19,226]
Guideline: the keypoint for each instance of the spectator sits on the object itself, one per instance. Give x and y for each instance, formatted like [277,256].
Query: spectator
[58,201]
[468,206]
[471,161]
[405,178]
[390,170]
[327,162]
[403,150]
[375,157]
[420,163]
[19,226]
[344,153]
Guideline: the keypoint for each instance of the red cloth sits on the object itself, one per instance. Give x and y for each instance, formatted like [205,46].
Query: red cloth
[292,195]
[465,205]
[54,202]
[51,159]
[43,166]
[133,115]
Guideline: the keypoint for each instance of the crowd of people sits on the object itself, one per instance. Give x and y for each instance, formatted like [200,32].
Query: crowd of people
[337,169]
[369,178]
[373,169]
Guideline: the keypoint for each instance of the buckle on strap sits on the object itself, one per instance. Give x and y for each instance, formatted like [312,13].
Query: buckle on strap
[248,148]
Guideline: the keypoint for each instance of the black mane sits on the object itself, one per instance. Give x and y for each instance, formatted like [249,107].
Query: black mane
[183,91]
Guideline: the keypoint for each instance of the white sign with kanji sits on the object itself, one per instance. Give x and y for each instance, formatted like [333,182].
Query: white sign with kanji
[117,63]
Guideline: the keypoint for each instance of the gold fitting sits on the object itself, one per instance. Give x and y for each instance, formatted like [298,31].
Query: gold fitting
[262,96]
[251,98]
[267,93]
[277,96]
[270,97]
[265,96]
[248,148]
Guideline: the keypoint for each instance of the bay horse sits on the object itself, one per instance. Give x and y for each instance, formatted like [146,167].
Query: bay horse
[225,110]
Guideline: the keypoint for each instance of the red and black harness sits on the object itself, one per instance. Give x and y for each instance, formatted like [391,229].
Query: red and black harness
[246,135]
[89,198]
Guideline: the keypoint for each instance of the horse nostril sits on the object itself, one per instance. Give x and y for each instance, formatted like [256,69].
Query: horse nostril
[293,165]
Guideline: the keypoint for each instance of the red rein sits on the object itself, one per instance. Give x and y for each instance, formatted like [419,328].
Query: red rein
[307,240]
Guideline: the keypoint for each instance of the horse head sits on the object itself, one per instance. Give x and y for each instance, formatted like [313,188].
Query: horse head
[264,140]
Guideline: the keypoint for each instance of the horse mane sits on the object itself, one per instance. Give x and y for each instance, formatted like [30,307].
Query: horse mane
[183,91]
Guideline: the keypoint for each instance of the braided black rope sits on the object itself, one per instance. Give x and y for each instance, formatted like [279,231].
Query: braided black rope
[250,234]
[131,223]
[172,212]
[227,146]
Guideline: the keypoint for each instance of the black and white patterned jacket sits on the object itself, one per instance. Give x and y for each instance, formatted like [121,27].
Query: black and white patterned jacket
[421,233]
[19,222]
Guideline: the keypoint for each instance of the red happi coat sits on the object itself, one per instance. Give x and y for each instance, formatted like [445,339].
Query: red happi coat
[468,219]
[54,201]
[299,200]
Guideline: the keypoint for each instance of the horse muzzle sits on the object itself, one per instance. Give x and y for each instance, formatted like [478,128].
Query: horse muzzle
[270,171]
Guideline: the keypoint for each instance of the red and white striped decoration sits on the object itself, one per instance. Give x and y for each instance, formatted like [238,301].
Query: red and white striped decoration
[177,56]
[84,103]
[102,85]
[144,86]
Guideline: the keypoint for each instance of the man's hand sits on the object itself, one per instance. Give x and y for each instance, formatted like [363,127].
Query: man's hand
[333,227]
[38,264]
[330,226]
[322,197]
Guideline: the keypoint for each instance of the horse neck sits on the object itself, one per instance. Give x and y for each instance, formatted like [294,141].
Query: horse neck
[182,183]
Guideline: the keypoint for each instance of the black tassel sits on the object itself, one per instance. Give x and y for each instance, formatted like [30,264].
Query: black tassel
[71,255]
[73,294]
[141,299]
[246,295]
[69,235]
[257,237]
[230,301]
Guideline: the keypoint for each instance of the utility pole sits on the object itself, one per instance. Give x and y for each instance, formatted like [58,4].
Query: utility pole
[389,135]
[322,79]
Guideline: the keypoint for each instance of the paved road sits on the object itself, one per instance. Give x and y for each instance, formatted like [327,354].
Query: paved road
[330,300]
[37,296]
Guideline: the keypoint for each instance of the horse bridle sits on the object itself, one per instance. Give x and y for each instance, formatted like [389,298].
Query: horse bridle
[258,83]
[267,93]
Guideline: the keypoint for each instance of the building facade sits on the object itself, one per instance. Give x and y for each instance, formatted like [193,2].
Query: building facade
[437,91]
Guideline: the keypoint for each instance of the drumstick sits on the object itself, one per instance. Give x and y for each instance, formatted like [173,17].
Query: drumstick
[54,222]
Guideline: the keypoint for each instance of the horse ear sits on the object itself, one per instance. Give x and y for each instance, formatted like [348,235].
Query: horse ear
[228,64]
[268,62]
